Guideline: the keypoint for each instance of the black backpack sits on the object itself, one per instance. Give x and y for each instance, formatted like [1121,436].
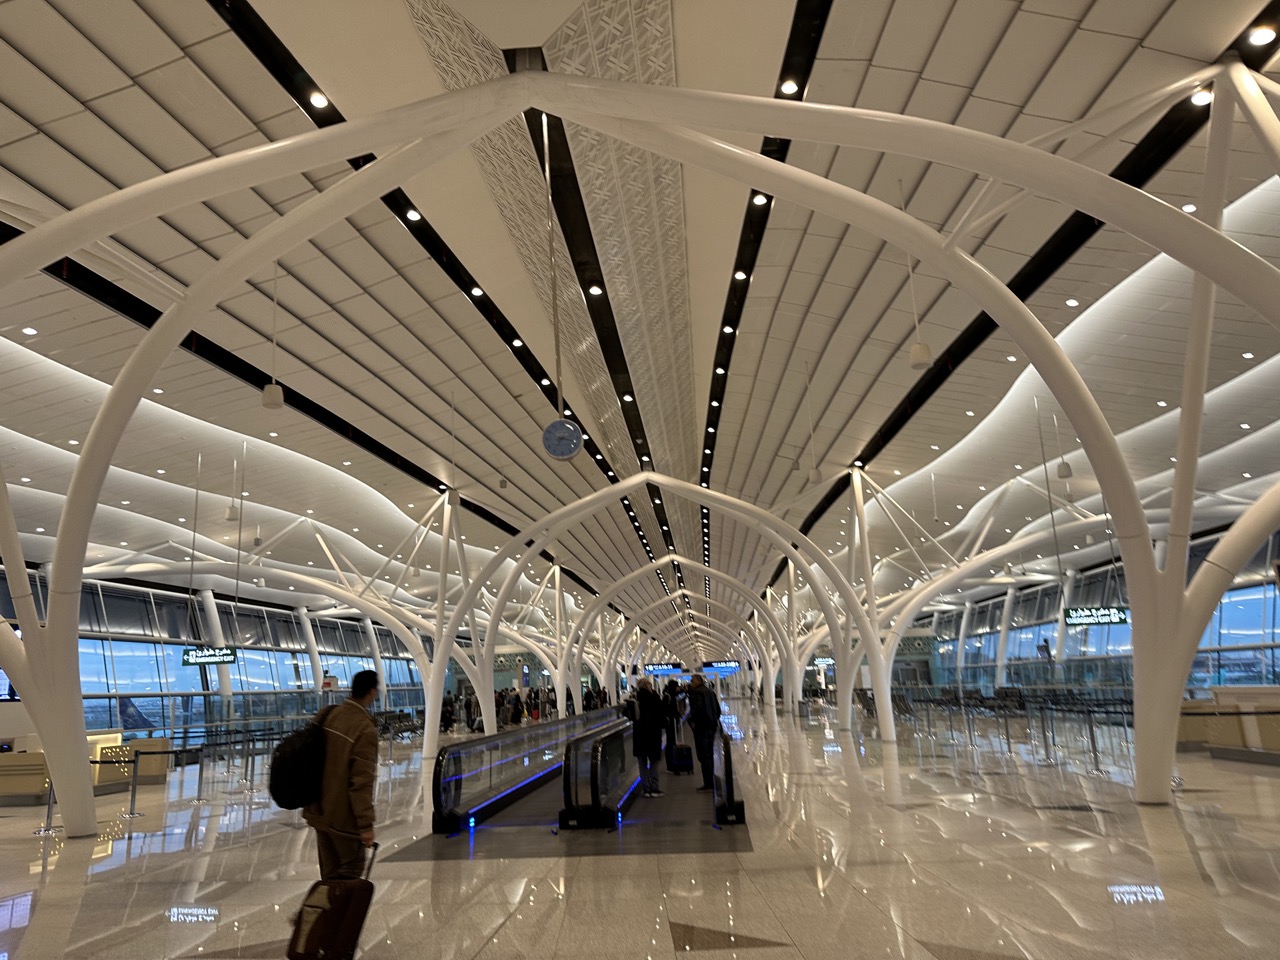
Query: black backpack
[297,766]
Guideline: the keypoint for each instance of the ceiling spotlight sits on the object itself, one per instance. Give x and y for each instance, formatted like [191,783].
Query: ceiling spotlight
[1247,355]
[1202,97]
[1162,403]
[968,413]
[1072,302]
[1188,208]
[477,292]
[1247,476]
[627,397]
[790,86]
[727,329]
[413,215]
[319,100]
[545,382]
[30,331]
[1259,36]
[157,389]
[73,443]
[1244,426]
[595,290]
[759,199]
[517,343]
[1011,358]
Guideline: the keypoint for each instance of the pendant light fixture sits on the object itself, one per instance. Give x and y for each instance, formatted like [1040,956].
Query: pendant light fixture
[273,393]
[1064,468]
[921,357]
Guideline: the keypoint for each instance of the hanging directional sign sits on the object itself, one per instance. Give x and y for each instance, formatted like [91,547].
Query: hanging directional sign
[1096,616]
[663,668]
[198,656]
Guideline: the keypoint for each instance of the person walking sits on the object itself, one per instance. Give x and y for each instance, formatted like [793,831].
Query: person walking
[646,735]
[704,719]
[344,815]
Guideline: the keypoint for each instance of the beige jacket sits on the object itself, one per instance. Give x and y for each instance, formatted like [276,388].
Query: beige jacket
[350,770]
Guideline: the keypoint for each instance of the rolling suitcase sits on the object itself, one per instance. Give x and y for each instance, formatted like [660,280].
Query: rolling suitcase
[680,759]
[328,924]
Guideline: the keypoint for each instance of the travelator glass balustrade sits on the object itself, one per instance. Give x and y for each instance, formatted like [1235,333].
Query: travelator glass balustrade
[599,777]
[474,779]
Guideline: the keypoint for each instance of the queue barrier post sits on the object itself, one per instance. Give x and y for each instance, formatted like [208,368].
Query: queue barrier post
[48,830]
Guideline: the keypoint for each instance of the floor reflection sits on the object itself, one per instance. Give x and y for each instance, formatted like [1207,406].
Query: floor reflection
[923,850]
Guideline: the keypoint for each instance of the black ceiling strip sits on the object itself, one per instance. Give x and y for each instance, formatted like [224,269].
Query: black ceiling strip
[1148,157]
[575,228]
[798,59]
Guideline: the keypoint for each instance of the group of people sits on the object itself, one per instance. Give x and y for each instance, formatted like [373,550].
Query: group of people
[658,716]
[512,707]
[344,815]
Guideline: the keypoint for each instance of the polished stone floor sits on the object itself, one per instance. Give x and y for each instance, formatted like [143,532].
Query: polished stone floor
[857,851]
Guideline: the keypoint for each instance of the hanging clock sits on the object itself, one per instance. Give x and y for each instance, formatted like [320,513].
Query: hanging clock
[562,439]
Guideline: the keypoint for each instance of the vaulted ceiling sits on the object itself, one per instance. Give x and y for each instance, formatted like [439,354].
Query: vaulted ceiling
[417,338]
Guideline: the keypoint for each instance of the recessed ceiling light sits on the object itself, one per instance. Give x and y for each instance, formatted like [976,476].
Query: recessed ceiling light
[711,429]
[715,403]
[125,503]
[182,519]
[1259,36]
[759,199]
[477,292]
[413,215]
[41,529]
[310,511]
[981,487]
[627,397]
[1173,459]
[1188,208]
[273,433]
[790,86]
[30,331]
[739,274]
[933,446]
[1017,466]
[160,471]
[1011,358]
[73,443]
[346,463]
[319,100]
[1247,355]
[1247,476]
[1244,426]
[1161,403]
[25,479]
[968,413]
[595,290]
[897,473]
[545,382]
[1202,97]
[1072,302]
[355,529]
[727,329]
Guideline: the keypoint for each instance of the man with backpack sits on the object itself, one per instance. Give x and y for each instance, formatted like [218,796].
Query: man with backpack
[704,718]
[343,816]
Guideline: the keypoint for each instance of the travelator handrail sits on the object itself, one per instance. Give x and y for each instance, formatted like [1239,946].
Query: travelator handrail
[729,809]
[601,758]
[474,779]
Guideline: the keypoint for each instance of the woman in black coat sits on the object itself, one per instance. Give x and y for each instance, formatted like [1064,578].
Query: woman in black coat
[646,737]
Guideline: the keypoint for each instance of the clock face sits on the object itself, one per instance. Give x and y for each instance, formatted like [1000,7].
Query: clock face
[562,439]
